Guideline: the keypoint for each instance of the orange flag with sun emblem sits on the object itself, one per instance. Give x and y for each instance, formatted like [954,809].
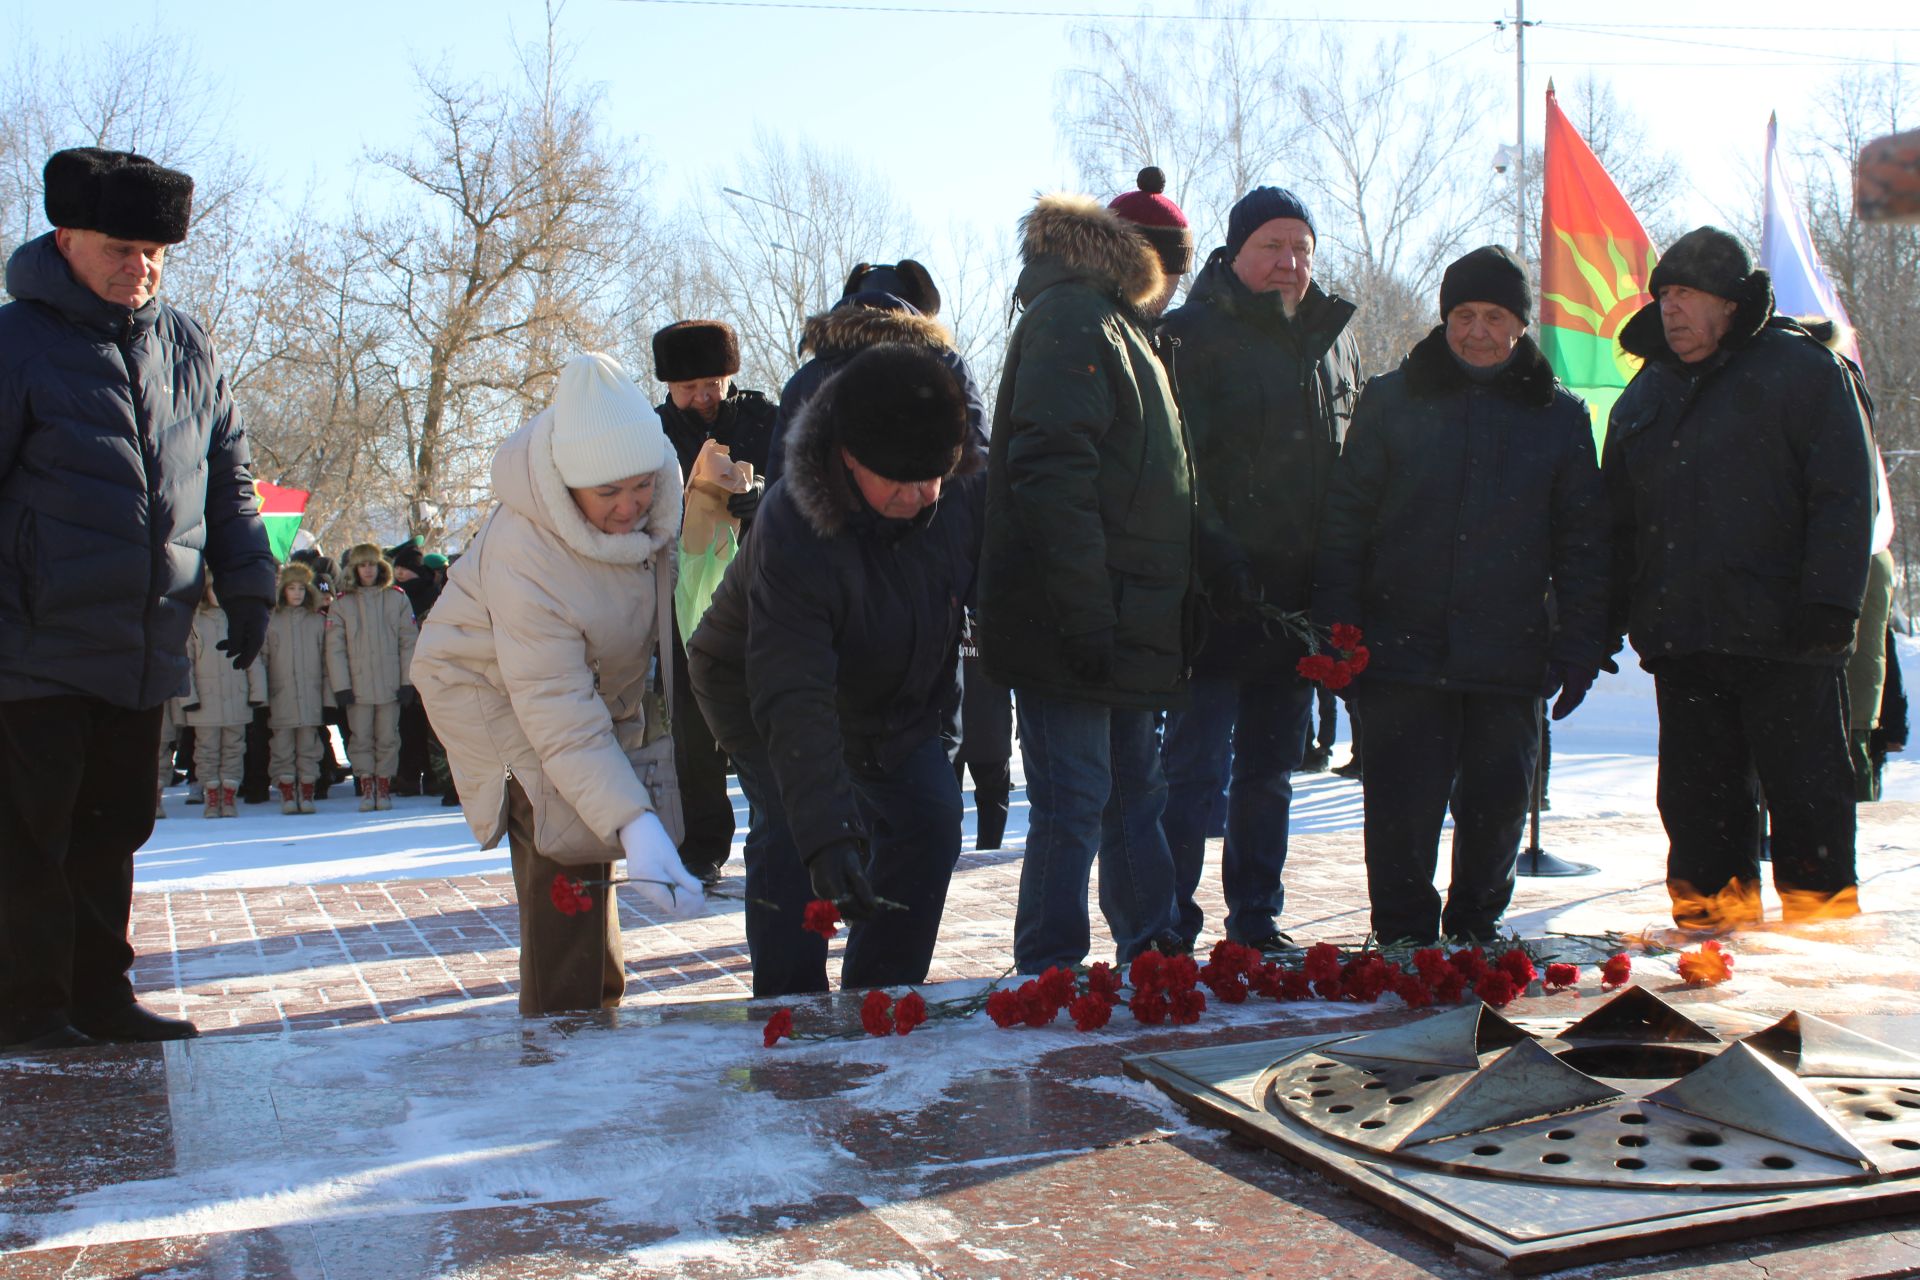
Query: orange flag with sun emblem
[1595,259]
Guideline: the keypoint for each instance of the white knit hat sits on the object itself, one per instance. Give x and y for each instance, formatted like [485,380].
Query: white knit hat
[603,427]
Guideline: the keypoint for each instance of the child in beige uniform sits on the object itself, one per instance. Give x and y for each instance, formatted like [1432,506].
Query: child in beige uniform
[369,648]
[219,707]
[295,656]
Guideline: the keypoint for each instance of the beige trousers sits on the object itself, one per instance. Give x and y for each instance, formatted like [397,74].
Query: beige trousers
[567,962]
[373,739]
[219,754]
[294,754]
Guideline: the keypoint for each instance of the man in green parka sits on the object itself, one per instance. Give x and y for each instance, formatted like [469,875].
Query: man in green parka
[1088,564]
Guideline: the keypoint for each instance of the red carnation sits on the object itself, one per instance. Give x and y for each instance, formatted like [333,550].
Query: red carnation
[1470,961]
[1187,1006]
[1234,957]
[1323,963]
[876,1013]
[570,896]
[1709,965]
[1037,1009]
[1358,659]
[1496,988]
[909,1013]
[1103,981]
[1149,1007]
[779,1027]
[1315,667]
[1228,983]
[1518,965]
[1615,972]
[1450,987]
[1561,976]
[1365,977]
[1182,973]
[821,917]
[1004,1007]
[1411,989]
[1346,637]
[1149,970]
[1089,1012]
[1428,962]
[1340,677]
[1265,980]
[1295,985]
[1058,985]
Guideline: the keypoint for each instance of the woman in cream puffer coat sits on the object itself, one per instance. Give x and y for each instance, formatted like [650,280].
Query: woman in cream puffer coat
[534,669]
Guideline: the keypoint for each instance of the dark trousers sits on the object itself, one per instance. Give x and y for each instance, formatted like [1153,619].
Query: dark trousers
[415,734]
[702,767]
[567,962]
[76,800]
[992,798]
[256,774]
[1428,749]
[912,815]
[1250,737]
[1729,725]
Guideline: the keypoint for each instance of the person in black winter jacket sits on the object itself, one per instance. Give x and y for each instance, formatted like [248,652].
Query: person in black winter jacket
[698,359]
[825,667]
[1739,467]
[123,474]
[1267,374]
[1467,491]
[891,302]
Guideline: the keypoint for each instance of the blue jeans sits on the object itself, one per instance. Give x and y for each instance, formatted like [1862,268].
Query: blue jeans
[1094,788]
[1264,726]
[912,814]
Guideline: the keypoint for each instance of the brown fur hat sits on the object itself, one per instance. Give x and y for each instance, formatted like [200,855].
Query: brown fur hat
[293,572]
[365,553]
[690,349]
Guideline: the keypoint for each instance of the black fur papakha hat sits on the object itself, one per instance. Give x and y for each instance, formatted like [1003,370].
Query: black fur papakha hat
[899,411]
[1712,261]
[690,349]
[906,280]
[119,193]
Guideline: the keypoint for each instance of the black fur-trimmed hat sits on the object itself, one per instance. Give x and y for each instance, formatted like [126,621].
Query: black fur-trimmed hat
[906,280]
[1712,261]
[119,193]
[900,411]
[690,349]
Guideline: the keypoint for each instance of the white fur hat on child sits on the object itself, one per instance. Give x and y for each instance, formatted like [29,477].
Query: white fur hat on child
[603,427]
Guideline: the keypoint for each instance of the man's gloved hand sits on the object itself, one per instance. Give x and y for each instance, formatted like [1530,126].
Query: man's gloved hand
[1571,683]
[246,630]
[655,869]
[839,875]
[742,506]
[407,695]
[343,698]
[1822,628]
[1089,656]
[1239,596]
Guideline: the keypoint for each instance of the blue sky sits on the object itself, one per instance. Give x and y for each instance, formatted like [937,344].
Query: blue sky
[957,111]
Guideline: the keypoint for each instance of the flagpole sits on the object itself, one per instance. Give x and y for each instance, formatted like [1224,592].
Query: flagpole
[1520,103]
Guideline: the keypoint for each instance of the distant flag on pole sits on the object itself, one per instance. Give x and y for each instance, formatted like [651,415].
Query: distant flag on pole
[1595,259]
[1800,284]
[280,511]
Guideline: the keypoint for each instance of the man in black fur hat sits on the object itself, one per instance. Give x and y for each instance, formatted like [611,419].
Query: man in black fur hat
[1466,492]
[1739,466]
[698,359]
[825,665]
[123,475]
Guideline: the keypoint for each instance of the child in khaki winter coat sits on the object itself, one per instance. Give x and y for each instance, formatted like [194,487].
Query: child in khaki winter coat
[369,647]
[295,656]
[219,706]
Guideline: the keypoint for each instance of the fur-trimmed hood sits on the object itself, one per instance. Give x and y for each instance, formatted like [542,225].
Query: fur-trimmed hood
[526,479]
[365,553]
[818,482]
[842,330]
[1432,370]
[1645,336]
[1090,241]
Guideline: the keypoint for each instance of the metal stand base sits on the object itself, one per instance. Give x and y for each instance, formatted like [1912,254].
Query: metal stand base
[1538,862]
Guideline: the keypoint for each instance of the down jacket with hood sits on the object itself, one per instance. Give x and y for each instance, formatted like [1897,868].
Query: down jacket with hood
[1090,515]
[833,337]
[123,472]
[1454,508]
[218,695]
[372,634]
[535,659]
[295,657]
[834,637]
[1741,487]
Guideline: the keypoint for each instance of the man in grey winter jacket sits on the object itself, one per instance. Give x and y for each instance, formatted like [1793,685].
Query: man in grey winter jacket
[123,471]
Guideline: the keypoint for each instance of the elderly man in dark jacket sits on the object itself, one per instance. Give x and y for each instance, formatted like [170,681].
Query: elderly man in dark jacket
[825,666]
[122,466]
[1088,567]
[1740,470]
[698,359]
[1268,378]
[1467,492]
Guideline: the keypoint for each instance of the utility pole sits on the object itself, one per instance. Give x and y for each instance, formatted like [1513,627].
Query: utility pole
[1520,149]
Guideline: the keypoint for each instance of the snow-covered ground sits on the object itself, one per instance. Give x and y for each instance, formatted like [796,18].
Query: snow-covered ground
[1603,767]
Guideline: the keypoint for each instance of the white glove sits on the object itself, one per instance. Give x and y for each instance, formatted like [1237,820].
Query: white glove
[653,864]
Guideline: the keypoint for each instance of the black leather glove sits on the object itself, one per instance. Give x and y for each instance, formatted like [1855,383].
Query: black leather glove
[839,875]
[1089,656]
[246,630]
[742,506]
[1239,595]
[1571,683]
[343,698]
[407,695]
[1822,628]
